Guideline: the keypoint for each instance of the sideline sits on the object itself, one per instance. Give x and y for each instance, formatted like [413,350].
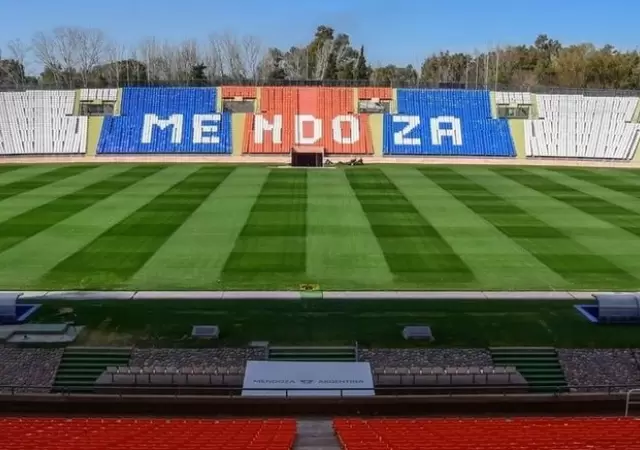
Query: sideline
[255,159]
[24,296]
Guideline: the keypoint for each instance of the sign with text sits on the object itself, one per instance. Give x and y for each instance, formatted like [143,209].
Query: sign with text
[307,379]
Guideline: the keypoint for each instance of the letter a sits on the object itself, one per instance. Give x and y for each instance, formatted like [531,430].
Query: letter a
[437,133]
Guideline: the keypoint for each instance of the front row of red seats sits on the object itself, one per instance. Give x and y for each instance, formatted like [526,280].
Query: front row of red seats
[145,434]
[353,434]
[489,434]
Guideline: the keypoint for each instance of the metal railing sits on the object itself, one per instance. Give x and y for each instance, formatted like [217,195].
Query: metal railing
[394,391]
[330,83]
[629,402]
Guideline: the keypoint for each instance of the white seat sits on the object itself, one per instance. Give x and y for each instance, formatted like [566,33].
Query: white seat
[574,126]
[40,122]
[513,98]
[90,95]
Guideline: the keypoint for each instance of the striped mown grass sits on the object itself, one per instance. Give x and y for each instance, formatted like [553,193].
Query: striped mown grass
[203,227]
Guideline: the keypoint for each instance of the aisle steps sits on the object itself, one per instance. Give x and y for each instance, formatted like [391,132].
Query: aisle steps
[540,366]
[81,366]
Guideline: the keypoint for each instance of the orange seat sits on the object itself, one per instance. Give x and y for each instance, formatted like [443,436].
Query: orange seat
[239,91]
[142,434]
[367,93]
[307,117]
[489,434]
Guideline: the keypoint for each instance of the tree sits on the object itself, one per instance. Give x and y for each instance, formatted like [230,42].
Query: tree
[11,73]
[571,65]
[198,75]
[346,57]
[272,66]
[71,57]
[127,72]
[70,54]
[361,70]
[13,69]
[347,71]
[331,67]
[296,64]
[252,53]
[318,51]
[445,68]
[391,75]
[547,50]
[277,73]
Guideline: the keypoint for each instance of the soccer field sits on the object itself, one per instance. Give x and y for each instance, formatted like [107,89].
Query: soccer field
[125,226]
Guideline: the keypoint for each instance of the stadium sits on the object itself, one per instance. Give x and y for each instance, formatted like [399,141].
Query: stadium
[340,261]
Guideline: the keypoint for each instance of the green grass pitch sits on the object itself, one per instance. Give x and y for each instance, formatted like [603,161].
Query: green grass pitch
[166,227]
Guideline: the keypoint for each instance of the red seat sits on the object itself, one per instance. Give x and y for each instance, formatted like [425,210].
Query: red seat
[143,434]
[489,434]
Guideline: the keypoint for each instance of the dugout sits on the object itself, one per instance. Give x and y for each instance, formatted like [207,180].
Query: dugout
[618,308]
[8,308]
[12,312]
[307,156]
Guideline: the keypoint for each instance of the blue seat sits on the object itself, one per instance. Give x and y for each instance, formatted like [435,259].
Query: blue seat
[167,120]
[447,123]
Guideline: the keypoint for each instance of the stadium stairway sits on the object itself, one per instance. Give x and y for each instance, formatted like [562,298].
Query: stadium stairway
[81,366]
[346,353]
[538,365]
[315,435]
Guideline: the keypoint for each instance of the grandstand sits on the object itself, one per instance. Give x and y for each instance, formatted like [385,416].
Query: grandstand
[221,228]
[83,434]
[40,123]
[350,434]
[167,120]
[574,126]
[446,123]
[523,433]
[291,117]
[374,123]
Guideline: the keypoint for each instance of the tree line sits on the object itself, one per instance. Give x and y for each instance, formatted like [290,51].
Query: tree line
[73,57]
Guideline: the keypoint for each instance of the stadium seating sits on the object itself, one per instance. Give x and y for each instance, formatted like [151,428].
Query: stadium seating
[513,98]
[243,92]
[375,93]
[143,434]
[473,434]
[92,95]
[167,120]
[39,123]
[441,122]
[445,122]
[307,116]
[574,126]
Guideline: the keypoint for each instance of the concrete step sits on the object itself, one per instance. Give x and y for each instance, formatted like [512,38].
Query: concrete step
[315,435]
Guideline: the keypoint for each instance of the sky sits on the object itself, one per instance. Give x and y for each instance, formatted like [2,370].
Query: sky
[396,31]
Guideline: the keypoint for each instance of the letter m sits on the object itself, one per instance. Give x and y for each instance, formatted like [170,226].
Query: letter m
[152,120]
